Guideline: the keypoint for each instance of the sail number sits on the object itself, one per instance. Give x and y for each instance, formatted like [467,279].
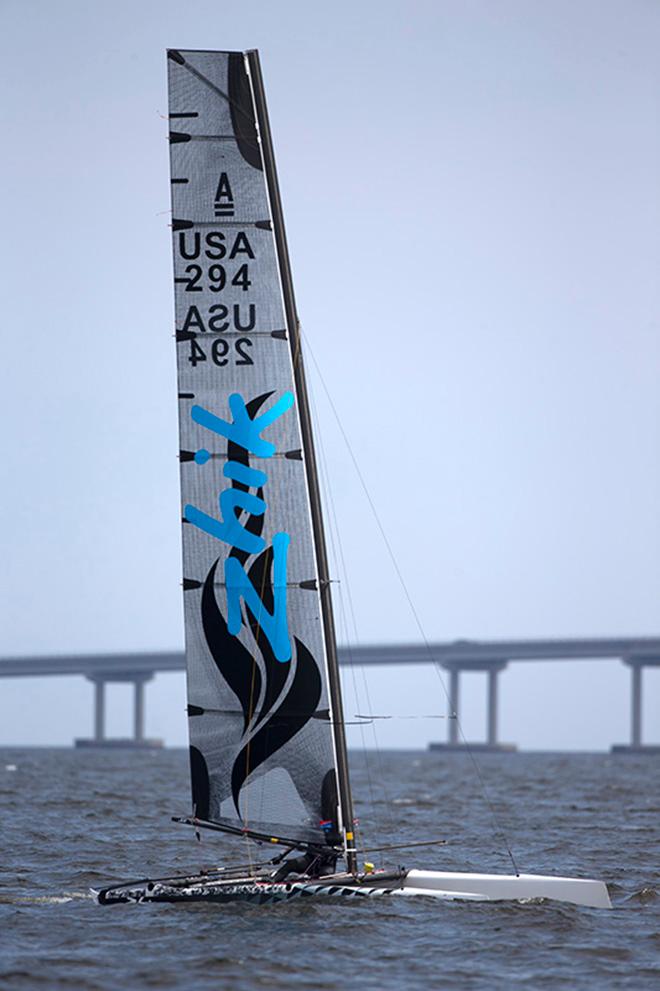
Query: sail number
[222,352]
[214,278]
[209,269]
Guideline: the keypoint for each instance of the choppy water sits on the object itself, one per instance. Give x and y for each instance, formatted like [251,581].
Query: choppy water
[73,819]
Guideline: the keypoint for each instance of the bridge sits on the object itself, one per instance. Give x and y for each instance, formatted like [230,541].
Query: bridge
[457,657]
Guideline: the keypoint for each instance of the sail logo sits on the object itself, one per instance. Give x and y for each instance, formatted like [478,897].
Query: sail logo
[223,204]
[245,432]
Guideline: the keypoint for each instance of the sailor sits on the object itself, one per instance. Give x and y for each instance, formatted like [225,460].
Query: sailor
[318,861]
[313,863]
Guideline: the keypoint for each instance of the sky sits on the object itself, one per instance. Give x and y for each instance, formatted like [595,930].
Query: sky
[473,212]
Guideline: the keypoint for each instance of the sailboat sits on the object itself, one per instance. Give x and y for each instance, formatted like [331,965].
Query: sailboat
[268,757]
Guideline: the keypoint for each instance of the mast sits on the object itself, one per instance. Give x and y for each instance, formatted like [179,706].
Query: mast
[344,789]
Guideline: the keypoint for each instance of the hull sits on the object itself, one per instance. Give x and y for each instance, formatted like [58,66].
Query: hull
[218,887]
[256,892]
[508,887]
[442,885]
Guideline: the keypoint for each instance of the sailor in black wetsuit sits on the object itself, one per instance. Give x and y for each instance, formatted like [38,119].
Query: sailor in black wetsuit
[315,862]
[310,864]
[318,861]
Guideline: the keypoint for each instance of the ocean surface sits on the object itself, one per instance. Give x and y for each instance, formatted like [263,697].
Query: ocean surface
[74,819]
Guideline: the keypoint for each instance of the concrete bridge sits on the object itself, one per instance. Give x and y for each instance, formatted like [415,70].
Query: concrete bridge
[458,657]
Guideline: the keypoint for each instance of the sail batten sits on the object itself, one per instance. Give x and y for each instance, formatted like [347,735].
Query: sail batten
[265,723]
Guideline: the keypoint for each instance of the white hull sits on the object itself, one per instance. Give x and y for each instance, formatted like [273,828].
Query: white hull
[506,887]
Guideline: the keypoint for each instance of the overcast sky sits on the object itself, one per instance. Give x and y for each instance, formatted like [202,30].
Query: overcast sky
[472,196]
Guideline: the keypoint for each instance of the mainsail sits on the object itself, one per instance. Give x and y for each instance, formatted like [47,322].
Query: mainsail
[267,748]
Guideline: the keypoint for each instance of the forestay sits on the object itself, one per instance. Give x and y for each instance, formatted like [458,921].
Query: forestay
[262,747]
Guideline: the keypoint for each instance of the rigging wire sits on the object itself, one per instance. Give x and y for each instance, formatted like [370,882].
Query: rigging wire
[356,823]
[333,531]
[394,715]
[496,824]
[341,561]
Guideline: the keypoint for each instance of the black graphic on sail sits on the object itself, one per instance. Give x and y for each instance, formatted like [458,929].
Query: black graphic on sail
[281,713]
[262,683]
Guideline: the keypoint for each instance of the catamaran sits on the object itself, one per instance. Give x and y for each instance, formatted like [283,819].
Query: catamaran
[268,758]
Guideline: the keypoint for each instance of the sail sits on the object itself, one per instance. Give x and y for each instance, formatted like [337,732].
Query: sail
[263,741]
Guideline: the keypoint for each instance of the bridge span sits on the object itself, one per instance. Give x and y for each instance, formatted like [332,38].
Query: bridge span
[459,656]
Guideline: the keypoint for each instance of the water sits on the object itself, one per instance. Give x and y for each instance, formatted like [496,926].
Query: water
[73,819]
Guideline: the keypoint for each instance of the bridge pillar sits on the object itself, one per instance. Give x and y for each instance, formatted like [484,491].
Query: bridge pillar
[636,665]
[452,713]
[636,705]
[492,669]
[99,709]
[138,712]
[492,706]
[138,679]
